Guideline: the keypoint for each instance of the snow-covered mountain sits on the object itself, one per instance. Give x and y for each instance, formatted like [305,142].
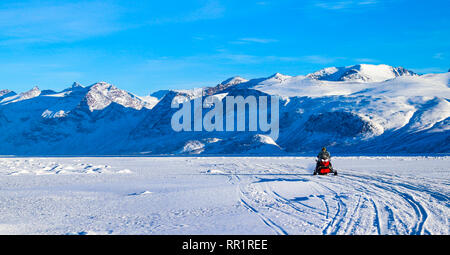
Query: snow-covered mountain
[360,73]
[360,109]
[4,93]
[102,94]
[225,84]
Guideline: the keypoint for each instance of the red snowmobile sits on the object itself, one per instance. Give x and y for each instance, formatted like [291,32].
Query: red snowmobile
[324,167]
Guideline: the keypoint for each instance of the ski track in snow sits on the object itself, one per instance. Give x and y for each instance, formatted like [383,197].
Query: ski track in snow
[190,195]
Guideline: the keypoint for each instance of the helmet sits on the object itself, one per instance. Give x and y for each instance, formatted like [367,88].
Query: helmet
[324,149]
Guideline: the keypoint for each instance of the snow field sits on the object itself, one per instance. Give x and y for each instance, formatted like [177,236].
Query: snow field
[223,195]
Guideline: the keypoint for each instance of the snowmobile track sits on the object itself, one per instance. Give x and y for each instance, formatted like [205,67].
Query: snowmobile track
[417,206]
[272,225]
[351,204]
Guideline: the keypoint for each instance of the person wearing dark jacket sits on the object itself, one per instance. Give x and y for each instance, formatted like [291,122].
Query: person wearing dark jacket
[324,154]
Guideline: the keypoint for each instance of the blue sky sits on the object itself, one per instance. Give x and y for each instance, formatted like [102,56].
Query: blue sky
[151,45]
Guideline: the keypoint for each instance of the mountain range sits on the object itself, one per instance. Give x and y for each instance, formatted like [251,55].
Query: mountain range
[360,109]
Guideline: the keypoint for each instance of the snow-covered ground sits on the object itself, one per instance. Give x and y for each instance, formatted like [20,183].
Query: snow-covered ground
[223,195]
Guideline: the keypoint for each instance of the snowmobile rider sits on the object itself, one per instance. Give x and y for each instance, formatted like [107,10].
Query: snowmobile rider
[324,154]
[324,165]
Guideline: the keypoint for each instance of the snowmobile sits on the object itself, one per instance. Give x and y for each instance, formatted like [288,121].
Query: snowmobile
[324,167]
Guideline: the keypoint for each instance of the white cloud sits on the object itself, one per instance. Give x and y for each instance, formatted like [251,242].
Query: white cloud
[366,60]
[367,2]
[225,57]
[318,59]
[425,70]
[55,23]
[254,40]
[211,10]
[340,5]
[439,55]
